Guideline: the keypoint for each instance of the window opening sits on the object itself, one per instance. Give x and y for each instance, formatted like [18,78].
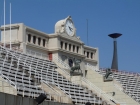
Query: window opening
[65,46]
[87,54]
[34,39]
[39,41]
[69,47]
[44,41]
[77,49]
[29,37]
[91,55]
[61,44]
[73,48]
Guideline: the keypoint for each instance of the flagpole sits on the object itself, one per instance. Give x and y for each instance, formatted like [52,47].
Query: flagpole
[4,24]
[10,26]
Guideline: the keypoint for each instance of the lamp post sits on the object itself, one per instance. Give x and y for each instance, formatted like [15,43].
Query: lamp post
[115,58]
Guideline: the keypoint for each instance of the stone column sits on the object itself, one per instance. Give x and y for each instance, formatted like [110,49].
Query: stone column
[26,38]
[31,39]
[81,49]
[47,42]
[36,40]
[85,53]
[90,55]
[41,42]
[67,46]
[63,45]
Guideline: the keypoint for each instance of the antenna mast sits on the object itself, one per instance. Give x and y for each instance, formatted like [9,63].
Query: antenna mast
[87,31]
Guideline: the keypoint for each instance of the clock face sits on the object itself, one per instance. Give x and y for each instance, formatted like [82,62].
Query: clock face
[69,27]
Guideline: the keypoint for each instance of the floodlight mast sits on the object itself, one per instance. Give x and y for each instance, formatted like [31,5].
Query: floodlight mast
[114,65]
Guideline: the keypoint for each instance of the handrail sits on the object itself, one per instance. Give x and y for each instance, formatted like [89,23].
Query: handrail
[37,72]
[51,87]
[3,76]
[63,90]
[120,88]
[98,90]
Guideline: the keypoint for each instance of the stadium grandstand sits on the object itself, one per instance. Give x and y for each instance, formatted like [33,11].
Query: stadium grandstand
[61,67]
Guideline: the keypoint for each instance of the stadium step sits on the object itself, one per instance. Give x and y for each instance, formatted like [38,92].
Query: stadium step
[38,69]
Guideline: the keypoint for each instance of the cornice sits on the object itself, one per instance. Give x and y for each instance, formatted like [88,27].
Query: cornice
[36,46]
[91,60]
[68,52]
[36,31]
[89,48]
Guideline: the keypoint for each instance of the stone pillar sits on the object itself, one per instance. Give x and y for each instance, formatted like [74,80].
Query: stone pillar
[81,49]
[41,42]
[85,53]
[71,48]
[26,38]
[47,43]
[90,55]
[67,46]
[63,45]
[36,40]
[31,39]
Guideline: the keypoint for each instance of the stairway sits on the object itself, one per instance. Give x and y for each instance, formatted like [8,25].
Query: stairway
[109,87]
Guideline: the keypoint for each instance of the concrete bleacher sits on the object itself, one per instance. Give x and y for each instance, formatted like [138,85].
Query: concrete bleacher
[129,81]
[28,72]
[94,81]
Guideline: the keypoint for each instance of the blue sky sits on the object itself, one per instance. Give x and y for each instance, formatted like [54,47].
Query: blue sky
[104,17]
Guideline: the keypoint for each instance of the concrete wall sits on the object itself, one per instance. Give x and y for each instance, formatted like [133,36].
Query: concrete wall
[7,99]
[14,34]
[6,87]
[53,43]
[33,51]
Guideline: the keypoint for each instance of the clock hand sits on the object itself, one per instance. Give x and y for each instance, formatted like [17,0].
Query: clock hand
[71,28]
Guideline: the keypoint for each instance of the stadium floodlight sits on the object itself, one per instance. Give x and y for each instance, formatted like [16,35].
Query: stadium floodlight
[115,56]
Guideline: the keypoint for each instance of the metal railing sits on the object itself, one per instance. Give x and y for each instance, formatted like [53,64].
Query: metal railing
[8,51]
[124,89]
[95,88]
[9,81]
[51,87]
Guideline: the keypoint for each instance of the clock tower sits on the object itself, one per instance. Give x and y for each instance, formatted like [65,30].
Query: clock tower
[65,26]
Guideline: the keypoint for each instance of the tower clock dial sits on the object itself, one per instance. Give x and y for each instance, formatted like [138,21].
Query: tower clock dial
[69,27]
